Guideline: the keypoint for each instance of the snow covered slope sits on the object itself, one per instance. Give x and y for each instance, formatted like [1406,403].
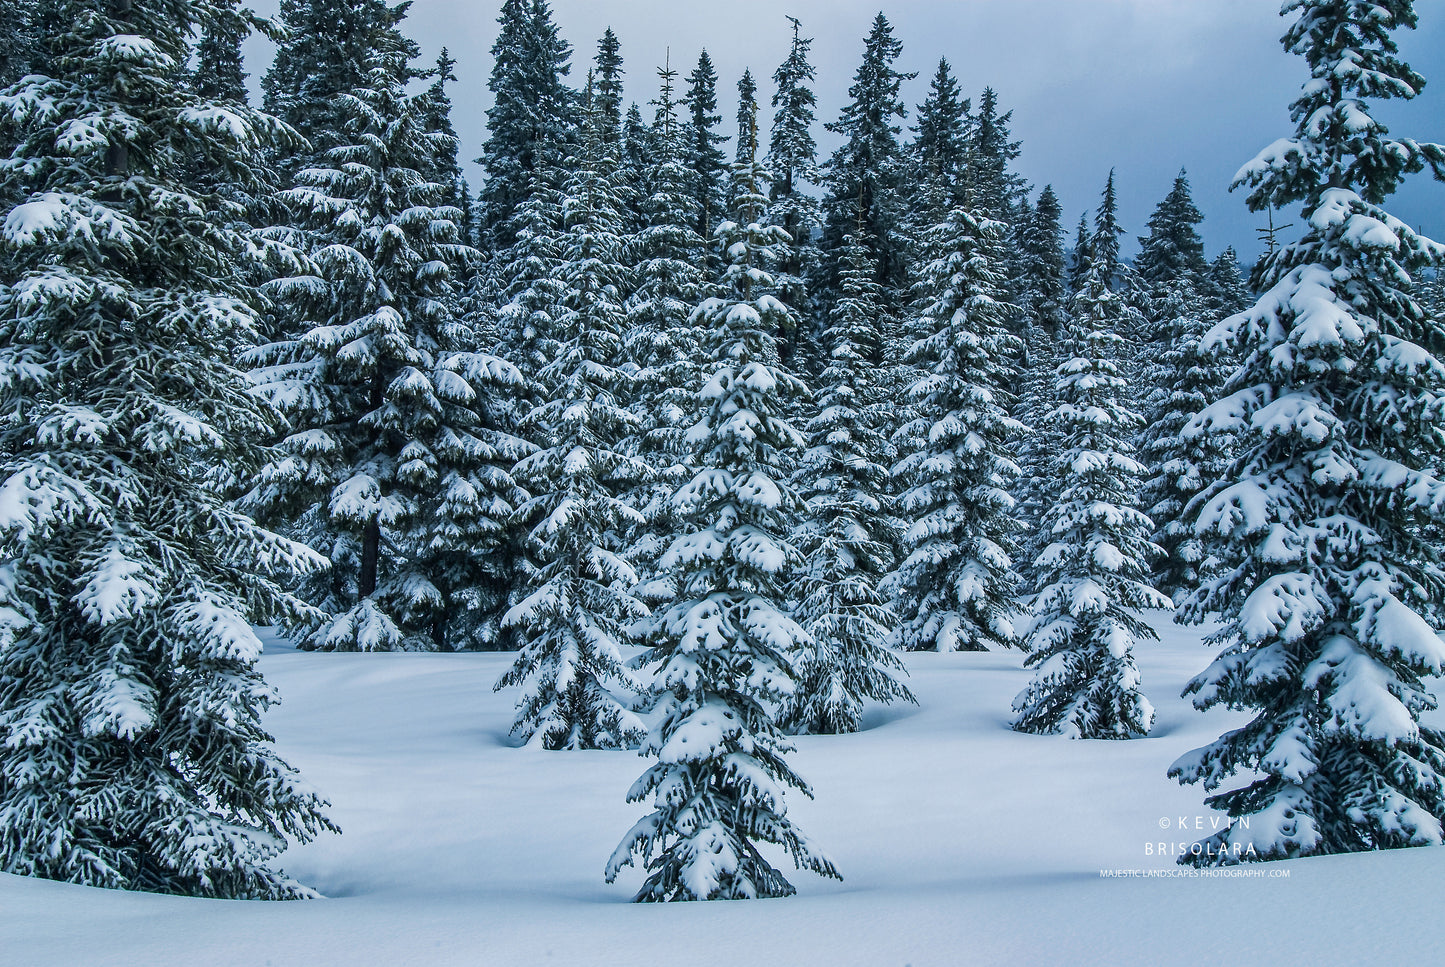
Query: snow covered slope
[960,842]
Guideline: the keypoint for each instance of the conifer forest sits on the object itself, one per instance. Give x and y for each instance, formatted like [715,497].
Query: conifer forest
[701,495]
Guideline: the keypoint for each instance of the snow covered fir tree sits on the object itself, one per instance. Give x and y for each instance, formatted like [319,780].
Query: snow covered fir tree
[132,753]
[954,588]
[576,615]
[1324,568]
[723,651]
[844,534]
[711,441]
[1093,568]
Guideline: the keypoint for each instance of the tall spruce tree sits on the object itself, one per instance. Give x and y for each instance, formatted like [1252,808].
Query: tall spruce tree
[867,171]
[1182,380]
[1043,290]
[1177,382]
[940,148]
[792,160]
[1226,291]
[436,108]
[1326,565]
[1079,255]
[991,186]
[724,647]
[1043,299]
[706,163]
[1173,252]
[953,590]
[576,615]
[514,302]
[19,24]
[131,748]
[531,119]
[640,154]
[662,343]
[1093,570]
[323,54]
[747,139]
[845,535]
[1095,257]
[607,89]
[220,74]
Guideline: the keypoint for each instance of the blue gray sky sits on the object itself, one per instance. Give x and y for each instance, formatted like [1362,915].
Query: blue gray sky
[1141,86]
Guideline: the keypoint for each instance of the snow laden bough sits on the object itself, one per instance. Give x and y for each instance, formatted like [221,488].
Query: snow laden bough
[1321,523]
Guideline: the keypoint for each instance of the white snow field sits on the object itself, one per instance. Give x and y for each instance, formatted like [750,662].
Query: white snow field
[961,843]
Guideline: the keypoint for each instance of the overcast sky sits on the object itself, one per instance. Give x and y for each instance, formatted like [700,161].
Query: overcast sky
[1142,86]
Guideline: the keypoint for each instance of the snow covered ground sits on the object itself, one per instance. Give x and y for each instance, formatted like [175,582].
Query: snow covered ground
[960,841]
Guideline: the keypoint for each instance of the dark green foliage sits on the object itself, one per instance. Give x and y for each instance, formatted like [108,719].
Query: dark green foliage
[792,161]
[706,164]
[607,89]
[953,591]
[845,534]
[530,123]
[865,175]
[324,54]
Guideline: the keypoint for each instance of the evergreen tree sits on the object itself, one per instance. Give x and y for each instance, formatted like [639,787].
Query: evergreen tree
[845,537]
[1043,293]
[1095,257]
[992,187]
[792,151]
[131,748]
[1104,257]
[1103,247]
[1173,251]
[1043,300]
[514,303]
[866,172]
[1225,289]
[436,119]
[326,48]
[19,25]
[640,155]
[530,122]
[1093,571]
[386,468]
[953,590]
[1079,255]
[220,74]
[574,619]
[528,289]
[1326,562]
[747,140]
[792,161]
[706,164]
[940,148]
[1183,381]
[607,92]
[724,647]
[661,342]
[436,108]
